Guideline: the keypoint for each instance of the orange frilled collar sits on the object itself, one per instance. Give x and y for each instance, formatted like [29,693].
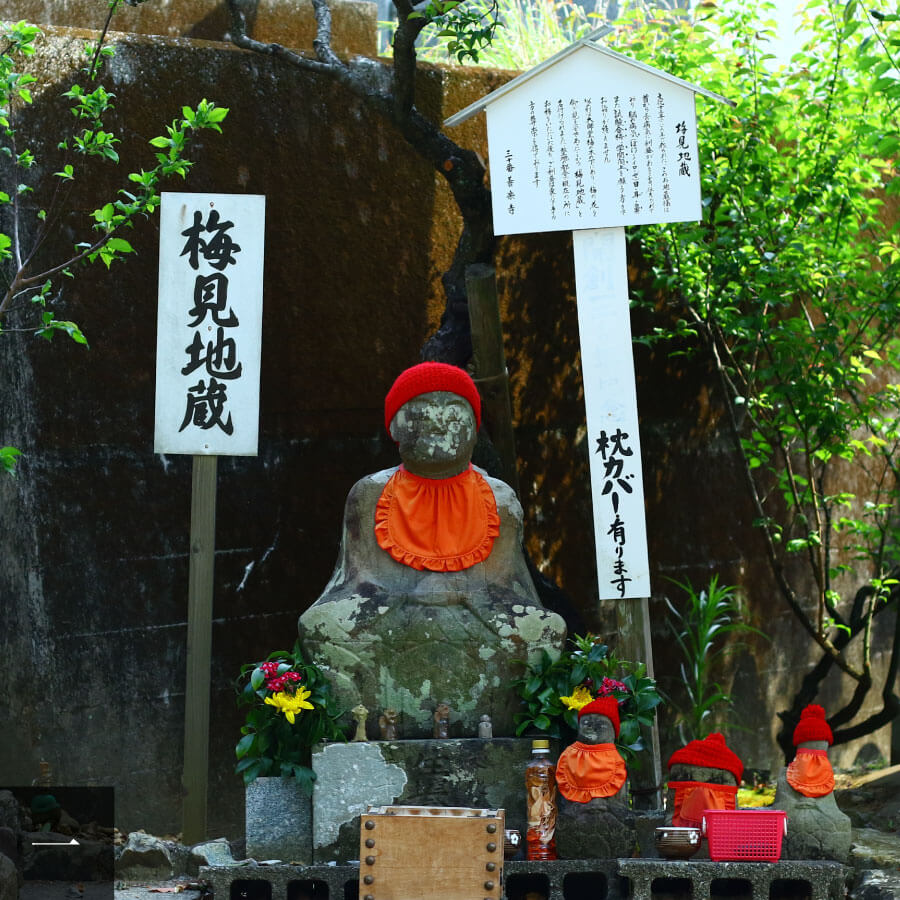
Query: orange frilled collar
[585,771]
[439,524]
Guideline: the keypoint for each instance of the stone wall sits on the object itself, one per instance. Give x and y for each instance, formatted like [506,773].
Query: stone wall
[94,531]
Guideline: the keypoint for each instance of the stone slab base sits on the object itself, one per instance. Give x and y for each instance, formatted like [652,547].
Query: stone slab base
[568,879]
[483,774]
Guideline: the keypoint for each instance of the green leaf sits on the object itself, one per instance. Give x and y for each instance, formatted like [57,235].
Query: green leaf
[8,459]
[244,745]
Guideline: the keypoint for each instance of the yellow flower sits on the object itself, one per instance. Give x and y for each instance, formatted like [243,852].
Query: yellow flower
[581,696]
[290,704]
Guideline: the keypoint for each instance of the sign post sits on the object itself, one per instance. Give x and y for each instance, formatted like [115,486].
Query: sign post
[209,335]
[591,141]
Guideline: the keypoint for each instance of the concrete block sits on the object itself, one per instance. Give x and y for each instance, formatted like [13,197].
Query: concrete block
[751,880]
[278,821]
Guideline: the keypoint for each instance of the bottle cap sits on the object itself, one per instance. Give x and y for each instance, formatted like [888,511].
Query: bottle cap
[542,744]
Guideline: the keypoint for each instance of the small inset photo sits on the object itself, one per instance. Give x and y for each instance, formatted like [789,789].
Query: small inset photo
[56,843]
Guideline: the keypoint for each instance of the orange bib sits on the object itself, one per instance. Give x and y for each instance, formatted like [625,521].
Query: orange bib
[693,797]
[585,771]
[439,524]
[810,773]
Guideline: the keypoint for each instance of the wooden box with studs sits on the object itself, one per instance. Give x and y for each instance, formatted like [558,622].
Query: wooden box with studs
[411,852]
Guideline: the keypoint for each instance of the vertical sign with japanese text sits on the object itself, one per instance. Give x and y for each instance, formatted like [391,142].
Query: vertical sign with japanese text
[607,367]
[209,323]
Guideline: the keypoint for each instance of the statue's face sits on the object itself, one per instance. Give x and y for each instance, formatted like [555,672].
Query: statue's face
[596,729]
[435,433]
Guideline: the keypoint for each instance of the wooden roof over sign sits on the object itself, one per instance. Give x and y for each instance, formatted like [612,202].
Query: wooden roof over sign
[587,41]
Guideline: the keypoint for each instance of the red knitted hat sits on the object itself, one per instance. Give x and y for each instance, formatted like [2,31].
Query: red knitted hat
[603,706]
[812,726]
[711,752]
[427,377]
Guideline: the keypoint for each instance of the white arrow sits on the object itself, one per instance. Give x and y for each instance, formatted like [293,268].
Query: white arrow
[54,843]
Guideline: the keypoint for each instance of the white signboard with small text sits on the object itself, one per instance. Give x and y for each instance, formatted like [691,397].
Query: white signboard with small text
[581,146]
[209,323]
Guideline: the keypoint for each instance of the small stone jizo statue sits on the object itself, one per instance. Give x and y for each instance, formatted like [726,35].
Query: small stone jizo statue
[360,714]
[704,774]
[442,721]
[485,728]
[387,724]
[805,791]
[594,819]
[592,766]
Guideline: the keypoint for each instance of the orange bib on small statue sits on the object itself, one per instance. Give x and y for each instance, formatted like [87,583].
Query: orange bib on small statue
[439,524]
[693,797]
[585,771]
[810,773]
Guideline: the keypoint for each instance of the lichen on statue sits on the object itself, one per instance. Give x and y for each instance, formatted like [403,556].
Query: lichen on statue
[431,598]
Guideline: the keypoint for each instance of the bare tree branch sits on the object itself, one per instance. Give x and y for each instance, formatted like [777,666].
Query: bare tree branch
[462,169]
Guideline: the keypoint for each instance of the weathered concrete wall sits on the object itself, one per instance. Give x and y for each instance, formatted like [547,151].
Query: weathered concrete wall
[94,531]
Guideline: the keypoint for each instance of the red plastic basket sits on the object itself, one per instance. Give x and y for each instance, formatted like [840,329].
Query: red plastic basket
[744,834]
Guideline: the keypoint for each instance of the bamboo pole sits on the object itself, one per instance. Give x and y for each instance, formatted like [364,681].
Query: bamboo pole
[490,366]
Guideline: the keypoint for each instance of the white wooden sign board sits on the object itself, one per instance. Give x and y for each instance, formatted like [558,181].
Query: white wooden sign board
[592,142]
[607,367]
[209,323]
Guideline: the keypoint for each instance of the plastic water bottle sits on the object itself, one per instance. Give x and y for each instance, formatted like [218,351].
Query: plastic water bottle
[541,807]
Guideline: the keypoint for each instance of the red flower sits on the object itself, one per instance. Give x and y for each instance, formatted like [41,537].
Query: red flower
[610,686]
[286,681]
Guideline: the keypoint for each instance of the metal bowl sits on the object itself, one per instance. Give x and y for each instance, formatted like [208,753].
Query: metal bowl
[677,843]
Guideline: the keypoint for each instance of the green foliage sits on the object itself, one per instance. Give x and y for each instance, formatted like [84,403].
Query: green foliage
[464,29]
[8,459]
[508,34]
[271,744]
[27,296]
[789,284]
[552,691]
[701,629]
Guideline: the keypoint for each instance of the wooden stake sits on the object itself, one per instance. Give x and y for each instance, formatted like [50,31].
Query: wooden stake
[633,617]
[490,365]
[199,645]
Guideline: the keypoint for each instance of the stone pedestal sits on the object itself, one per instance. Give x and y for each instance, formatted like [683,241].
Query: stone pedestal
[483,774]
[278,821]
[602,828]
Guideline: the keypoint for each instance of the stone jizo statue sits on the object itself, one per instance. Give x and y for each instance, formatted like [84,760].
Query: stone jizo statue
[360,714]
[441,721]
[704,774]
[387,724]
[594,819]
[431,594]
[485,728]
[817,829]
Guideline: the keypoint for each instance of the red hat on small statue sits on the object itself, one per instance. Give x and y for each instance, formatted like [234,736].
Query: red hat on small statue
[712,752]
[425,378]
[603,706]
[812,726]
